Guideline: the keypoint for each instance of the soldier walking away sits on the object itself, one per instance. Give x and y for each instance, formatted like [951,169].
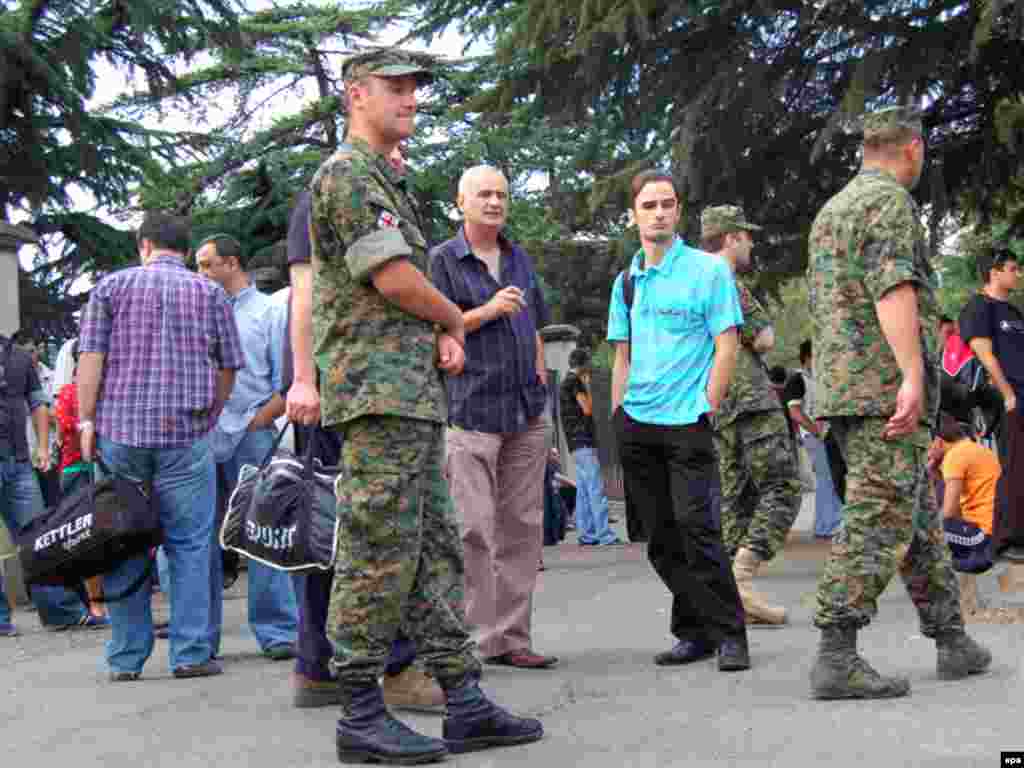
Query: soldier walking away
[761,488]
[874,311]
[381,331]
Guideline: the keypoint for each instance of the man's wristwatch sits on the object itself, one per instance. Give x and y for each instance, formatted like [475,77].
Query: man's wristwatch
[84,425]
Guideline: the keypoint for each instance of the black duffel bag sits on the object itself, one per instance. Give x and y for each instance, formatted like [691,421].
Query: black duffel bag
[90,532]
[283,513]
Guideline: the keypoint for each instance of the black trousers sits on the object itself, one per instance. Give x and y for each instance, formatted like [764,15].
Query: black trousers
[1008,523]
[634,523]
[671,473]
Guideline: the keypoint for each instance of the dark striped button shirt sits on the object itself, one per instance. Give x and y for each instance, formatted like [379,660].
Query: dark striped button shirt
[165,332]
[499,390]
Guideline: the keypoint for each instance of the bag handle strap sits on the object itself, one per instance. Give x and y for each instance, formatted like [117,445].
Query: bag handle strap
[276,444]
[307,459]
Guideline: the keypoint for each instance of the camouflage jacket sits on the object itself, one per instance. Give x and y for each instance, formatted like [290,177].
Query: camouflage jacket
[373,357]
[750,390]
[865,241]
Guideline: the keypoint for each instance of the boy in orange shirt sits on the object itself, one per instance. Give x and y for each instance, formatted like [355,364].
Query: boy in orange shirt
[970,472]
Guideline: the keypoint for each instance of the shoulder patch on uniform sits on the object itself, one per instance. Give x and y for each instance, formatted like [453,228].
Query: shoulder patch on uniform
[387,219]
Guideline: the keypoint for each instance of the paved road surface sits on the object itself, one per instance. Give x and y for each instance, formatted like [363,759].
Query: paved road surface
[607,706]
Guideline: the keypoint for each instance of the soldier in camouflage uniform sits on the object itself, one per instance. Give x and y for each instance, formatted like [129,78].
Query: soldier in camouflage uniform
[760,479]
[875,315]
[380,333]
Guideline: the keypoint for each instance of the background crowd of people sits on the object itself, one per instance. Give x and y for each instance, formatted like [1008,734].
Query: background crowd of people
[421,371]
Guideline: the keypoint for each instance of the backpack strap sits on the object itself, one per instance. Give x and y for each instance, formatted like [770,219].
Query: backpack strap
[6,350]
[627,298]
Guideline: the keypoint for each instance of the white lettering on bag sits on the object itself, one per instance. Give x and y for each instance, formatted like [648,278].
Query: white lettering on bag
[64,532]
[72,543]
[275,538]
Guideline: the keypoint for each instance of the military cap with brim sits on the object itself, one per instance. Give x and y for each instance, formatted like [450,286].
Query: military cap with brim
[384,63]
[892,122]
[721,219]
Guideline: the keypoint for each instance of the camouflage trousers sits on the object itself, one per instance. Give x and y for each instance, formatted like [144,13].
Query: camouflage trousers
[761,488]
[399,553]
[890,521]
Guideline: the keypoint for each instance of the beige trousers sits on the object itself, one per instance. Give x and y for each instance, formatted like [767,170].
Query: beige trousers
[497,485]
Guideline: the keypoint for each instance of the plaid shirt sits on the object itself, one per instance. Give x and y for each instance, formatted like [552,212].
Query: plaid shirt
[165,332]
[499,390]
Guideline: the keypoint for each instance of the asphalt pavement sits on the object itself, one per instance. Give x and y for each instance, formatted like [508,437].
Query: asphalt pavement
[605,614]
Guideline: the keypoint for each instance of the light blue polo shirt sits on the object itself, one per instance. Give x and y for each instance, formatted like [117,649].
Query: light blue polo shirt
[679,307]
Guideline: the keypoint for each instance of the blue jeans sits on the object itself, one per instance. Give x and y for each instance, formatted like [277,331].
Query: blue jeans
[591,502]
[828,509]
[273,610]
[184,489]
[20,502]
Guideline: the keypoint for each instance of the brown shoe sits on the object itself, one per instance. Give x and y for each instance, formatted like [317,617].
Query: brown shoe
[208,668]
[310,693]
[524,659]
[414,690]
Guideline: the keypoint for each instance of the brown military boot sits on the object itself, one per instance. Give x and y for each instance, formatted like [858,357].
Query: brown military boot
[414,690]
[840,673]
[758,610]
[309,693]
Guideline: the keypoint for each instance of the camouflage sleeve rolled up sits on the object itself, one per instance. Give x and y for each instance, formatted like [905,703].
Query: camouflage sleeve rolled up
[865,241]
[750,390]
[755,318]
[889,255]
[374,358]
[362,218]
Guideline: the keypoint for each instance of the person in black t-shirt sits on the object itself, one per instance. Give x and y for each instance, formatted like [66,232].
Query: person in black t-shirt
[994,330]
[578,423]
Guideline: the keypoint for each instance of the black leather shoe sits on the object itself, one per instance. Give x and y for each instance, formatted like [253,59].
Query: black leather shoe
[733,655]
[684,652]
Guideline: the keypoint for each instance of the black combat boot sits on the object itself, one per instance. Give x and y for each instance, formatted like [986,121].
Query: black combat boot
[840,673]
[367,732]
[475,722]
[959,655]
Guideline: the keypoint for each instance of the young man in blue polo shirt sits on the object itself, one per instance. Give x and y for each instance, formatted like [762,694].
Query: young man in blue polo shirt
[675,349]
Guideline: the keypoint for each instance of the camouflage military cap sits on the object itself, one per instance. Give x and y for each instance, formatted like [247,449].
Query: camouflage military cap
[720,219]
[388,62]
[891,123]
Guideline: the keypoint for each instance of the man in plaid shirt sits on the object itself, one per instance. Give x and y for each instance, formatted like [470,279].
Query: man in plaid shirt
[158,353]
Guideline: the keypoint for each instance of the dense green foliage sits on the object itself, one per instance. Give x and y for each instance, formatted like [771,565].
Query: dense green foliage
[56,146]
[748,101]
[755,101]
